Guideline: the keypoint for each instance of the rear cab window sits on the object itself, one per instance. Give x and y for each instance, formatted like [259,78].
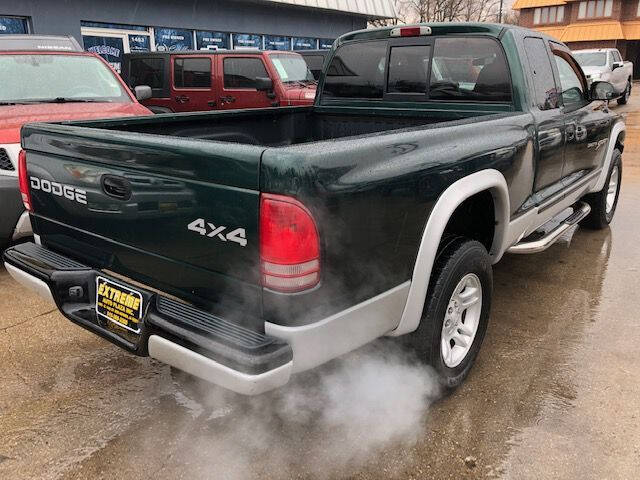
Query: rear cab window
[442,69]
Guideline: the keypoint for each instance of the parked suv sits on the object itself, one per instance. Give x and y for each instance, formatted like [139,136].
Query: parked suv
[220,80]
[47,79]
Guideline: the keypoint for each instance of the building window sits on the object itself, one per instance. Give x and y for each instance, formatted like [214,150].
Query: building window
[247,40]
[304,43]
[595,8]
[548,15]
[13,25]
[173,39]
[212,40]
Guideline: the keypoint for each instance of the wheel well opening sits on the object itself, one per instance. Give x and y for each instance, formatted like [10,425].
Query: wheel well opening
[620,142]
[475,219]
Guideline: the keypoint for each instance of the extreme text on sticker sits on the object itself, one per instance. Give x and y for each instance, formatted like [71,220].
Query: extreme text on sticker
[119,304]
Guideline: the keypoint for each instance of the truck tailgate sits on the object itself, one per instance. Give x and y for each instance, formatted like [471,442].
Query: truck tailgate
[178,214]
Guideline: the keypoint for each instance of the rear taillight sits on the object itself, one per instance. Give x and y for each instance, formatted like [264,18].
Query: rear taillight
[24,180]
[289,245]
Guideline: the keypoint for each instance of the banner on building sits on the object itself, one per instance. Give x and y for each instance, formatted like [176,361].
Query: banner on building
[247,40]
[172,39]
[277,43]
[212,40]
[304,43]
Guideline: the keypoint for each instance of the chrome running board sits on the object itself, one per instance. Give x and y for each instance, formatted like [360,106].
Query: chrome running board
[580,211]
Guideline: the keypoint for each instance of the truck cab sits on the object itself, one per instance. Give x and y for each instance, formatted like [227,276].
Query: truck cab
[220,80]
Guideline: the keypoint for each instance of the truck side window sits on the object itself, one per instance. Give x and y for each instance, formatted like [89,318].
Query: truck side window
[192,72]
[242,72]
[146,71]
[408,67]
[357,71]
[470,69]
[572,90]
[544,84]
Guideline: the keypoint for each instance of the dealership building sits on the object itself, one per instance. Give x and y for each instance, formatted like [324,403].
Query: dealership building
[587,23]
[116,27]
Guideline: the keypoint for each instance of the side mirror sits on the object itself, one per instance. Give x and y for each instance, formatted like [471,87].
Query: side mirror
[601,91]
[142,92]
[617,65]
[263,84]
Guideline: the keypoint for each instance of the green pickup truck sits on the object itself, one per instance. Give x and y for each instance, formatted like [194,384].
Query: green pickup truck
[245,246]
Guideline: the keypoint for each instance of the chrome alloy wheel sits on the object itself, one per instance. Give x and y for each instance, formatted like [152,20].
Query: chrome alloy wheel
[461,320]
[612,191]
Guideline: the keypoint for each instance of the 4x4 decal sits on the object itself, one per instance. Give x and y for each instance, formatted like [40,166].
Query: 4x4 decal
[208,229]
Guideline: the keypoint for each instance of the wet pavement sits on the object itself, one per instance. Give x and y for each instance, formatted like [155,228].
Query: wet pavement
[555,392]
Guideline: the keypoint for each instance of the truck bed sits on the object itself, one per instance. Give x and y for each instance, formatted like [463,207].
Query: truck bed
[280,126]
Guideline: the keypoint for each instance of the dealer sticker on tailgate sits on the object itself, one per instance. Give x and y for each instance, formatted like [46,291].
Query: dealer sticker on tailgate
[119,304]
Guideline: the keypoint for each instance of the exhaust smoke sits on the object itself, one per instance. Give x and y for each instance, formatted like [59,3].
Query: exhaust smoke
[329,422]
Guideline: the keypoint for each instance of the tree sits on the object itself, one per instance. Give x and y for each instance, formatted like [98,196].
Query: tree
[412,11]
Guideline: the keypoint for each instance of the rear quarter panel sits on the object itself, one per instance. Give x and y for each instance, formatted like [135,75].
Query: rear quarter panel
[371,197]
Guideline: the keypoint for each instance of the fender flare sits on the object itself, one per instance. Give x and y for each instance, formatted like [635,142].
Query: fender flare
[491,180]
[616,130]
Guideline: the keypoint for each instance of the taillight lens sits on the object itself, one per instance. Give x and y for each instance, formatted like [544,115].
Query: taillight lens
[289,244]
[24,180]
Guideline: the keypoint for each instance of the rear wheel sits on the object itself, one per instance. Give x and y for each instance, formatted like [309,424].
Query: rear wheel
[456,311]
[603,203]
[625,96]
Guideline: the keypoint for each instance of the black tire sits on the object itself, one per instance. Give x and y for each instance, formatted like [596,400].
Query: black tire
[625,96]
[456,259]
[599,218]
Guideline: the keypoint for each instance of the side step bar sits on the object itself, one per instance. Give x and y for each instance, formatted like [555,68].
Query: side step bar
[580,211]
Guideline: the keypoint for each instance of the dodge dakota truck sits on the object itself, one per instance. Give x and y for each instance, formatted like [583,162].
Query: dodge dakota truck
[303,233]
[606,64]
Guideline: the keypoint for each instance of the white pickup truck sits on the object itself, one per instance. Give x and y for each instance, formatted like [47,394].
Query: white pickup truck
[606,64]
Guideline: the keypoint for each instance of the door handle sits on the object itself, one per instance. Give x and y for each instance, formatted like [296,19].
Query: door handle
[571,131]
[212,103]
[116,187]
[581,133]
[182,99]
[227,99]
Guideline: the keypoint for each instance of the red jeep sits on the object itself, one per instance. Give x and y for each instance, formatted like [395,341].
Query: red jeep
[46,79]
[220,80]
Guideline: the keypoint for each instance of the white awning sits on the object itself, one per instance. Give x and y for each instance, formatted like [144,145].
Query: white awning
[367,8]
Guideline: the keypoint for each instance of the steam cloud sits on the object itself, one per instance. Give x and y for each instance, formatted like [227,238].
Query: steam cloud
[326,423]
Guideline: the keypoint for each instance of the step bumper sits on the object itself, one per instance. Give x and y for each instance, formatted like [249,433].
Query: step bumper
[175,333]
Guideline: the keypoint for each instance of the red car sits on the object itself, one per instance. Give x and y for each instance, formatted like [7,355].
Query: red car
[47,79]
[220,80]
